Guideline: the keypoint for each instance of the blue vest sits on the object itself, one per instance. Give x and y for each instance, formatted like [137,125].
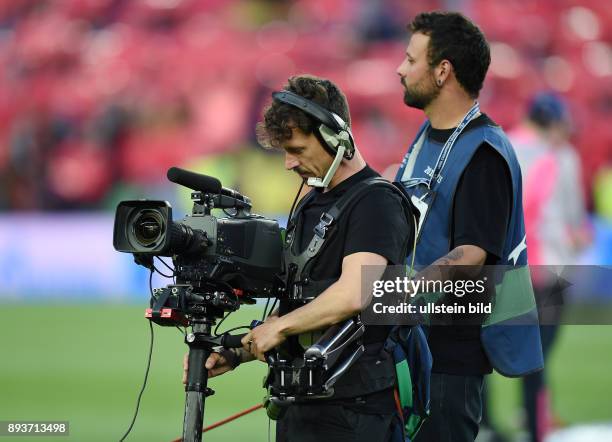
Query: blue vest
[510,336]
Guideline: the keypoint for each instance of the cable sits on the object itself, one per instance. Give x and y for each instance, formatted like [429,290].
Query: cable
[232,418]
[230,291]
[163,274]
[413,246]
[181,331]
[240,327]
[219,324]
[263,317]
[297,195]
[144,385]
[146,377]
[273,305]
[227,420]
[166,264]
[151,285]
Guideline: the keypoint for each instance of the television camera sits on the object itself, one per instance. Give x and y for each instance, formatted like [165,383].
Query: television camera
[219,264]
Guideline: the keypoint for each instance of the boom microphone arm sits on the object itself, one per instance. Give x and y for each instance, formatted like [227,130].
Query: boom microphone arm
[202,183]
[224,198]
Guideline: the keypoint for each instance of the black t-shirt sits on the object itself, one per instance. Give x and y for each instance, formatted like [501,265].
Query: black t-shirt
[376,223]
[481,212]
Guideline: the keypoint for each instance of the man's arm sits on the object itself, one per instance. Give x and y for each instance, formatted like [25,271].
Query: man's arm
[340,301]
[444,268]
[466,255]
[481,213]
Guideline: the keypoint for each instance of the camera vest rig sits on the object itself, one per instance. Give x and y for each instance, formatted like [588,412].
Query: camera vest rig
[313,374]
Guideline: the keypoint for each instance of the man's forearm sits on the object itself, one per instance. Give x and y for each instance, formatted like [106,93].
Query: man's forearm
[338,302]
[330,307]
[445,268]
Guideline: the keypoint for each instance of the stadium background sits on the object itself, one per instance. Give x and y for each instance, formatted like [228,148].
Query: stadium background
[99,97]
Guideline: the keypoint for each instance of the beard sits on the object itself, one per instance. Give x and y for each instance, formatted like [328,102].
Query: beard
[421,94]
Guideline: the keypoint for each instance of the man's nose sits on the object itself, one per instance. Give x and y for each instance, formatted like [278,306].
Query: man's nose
[401,71]
[290,161]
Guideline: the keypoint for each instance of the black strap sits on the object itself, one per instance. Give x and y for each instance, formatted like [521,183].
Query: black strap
[324,230]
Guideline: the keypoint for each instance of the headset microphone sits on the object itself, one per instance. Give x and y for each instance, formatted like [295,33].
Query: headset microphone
[333,131]
[318,182]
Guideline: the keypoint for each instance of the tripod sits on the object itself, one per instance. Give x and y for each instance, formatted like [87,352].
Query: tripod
[201,344]
[178,305]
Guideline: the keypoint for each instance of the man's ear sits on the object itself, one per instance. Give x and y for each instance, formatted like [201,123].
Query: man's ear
[442,72]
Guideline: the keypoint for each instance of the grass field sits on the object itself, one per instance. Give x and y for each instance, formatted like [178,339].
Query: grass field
[85,364]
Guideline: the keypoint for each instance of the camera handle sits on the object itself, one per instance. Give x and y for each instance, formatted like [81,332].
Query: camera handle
[201,344]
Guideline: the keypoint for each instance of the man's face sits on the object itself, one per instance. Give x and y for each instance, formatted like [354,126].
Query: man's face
[305,155]
[416,75]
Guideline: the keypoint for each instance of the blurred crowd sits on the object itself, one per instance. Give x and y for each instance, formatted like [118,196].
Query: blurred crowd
[99,97]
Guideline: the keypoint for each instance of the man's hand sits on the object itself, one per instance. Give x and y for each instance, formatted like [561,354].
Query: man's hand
[216,364]
[263,338]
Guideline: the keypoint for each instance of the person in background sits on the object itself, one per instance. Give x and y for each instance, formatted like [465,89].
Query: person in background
[555,221]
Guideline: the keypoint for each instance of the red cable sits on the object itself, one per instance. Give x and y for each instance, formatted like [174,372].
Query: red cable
[227,419]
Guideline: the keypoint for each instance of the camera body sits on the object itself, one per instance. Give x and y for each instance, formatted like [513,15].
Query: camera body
[241,252]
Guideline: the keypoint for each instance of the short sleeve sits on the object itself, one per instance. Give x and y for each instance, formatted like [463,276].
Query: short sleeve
[483,202]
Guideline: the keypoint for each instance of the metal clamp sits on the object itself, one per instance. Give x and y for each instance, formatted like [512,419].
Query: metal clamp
[324,223]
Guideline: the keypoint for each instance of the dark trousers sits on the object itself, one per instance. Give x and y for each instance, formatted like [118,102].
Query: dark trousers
[456,409]
[534,386]
[333,423]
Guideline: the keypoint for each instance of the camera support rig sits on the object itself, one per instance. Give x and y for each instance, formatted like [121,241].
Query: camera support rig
[179,305]
[219,264]
[183,305]
[313,376]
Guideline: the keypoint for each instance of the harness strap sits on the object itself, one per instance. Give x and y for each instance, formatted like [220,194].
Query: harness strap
[323,231]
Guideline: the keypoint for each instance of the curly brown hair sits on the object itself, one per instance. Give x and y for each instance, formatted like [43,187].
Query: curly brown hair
[280,118]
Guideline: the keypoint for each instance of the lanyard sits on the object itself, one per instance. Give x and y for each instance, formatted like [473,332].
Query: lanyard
[410,158]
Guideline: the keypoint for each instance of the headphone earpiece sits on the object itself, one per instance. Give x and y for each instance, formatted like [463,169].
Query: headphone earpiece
[333,140]
[333,131]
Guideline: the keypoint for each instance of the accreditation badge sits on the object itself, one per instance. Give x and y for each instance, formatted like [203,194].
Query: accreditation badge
[422,198]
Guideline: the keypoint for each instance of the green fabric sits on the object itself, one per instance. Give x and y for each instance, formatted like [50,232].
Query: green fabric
[412,426]
[404,383]
[404,386]
[513,297]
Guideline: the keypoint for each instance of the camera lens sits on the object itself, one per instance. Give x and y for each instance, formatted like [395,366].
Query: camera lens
[147,228]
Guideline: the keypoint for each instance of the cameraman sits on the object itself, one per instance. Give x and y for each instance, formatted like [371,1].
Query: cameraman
[363,405]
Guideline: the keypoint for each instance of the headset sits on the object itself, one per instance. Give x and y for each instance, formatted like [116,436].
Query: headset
[334,132]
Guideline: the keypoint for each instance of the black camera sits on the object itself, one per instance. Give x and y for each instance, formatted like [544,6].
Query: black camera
[240,251]
[220,263]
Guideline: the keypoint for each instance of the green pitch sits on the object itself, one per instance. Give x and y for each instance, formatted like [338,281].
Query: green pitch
[85,364]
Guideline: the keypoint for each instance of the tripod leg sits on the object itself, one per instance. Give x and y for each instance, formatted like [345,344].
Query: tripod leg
[196,388]
[194,416]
